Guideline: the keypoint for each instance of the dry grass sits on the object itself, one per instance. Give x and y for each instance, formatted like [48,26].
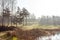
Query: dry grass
[36,26]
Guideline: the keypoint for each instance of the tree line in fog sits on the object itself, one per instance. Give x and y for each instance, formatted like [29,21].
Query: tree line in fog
[44,20]
[47,20]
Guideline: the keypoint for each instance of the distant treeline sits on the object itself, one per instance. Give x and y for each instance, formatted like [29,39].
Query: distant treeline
[47,20]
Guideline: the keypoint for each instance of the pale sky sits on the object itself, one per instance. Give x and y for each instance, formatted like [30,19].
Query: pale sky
[41,7]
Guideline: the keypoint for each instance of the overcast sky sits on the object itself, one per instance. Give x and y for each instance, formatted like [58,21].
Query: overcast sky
[41,7]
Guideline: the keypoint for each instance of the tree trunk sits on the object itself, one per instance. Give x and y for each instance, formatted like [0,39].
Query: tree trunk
[8,21]
[26,20]
[2,20]
[11,21]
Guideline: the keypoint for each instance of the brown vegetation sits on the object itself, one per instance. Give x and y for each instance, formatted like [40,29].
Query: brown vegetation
[32,34]
[28,34]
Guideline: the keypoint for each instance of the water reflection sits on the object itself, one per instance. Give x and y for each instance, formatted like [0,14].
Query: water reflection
[52,37]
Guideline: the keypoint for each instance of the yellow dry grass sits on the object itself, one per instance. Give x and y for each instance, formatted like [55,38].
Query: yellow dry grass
[36,26]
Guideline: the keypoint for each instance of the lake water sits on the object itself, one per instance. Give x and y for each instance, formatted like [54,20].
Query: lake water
[52,37]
